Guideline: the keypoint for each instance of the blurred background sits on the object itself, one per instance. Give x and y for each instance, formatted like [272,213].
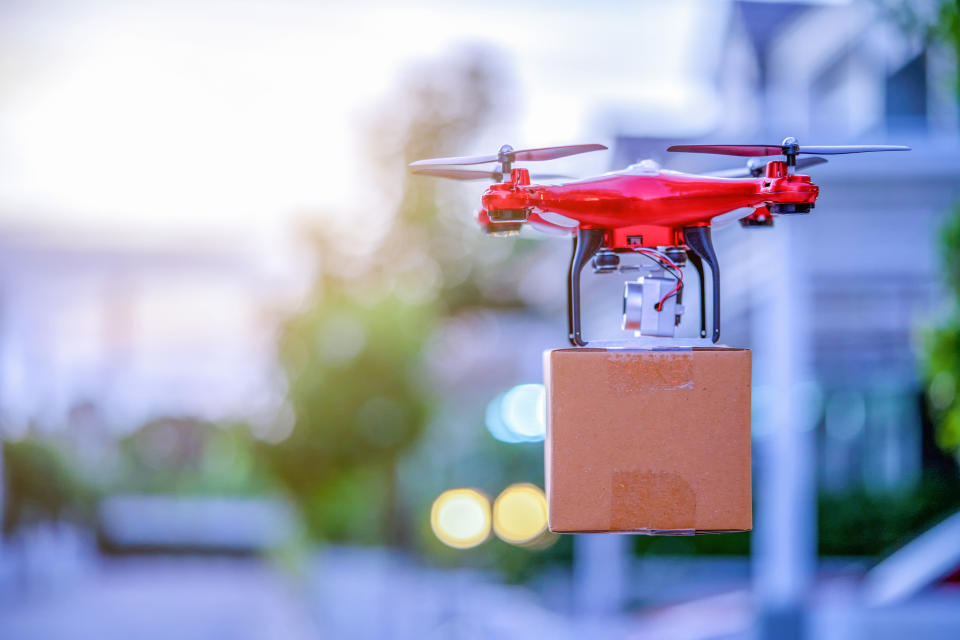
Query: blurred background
[258,382]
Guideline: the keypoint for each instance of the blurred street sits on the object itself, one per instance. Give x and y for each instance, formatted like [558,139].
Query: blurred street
[368,594]
[160,598]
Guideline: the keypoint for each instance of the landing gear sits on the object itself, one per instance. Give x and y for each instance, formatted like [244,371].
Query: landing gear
[585,245]
[698,239]
[588,245]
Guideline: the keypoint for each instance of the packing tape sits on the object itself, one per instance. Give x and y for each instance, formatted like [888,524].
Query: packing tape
[667,371]
[652,496]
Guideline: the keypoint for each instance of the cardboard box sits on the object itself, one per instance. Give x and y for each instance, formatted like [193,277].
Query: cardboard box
[648,441]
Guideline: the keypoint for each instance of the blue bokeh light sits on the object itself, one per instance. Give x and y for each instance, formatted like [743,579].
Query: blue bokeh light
[518,415]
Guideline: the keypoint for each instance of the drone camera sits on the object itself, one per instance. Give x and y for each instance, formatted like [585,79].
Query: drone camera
[646,312]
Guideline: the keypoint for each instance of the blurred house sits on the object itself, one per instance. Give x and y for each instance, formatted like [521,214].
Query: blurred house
[102,335]
[865,265]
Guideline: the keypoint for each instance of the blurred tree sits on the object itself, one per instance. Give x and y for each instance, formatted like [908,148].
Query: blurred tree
[943,344]
[356,389]
[353,354]
[948,28]
[938,22]
[871,523]
[41,485]
[179,455]
[931,21]
[943,347]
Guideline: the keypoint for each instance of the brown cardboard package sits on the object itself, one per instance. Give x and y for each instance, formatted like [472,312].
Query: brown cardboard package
[648,441]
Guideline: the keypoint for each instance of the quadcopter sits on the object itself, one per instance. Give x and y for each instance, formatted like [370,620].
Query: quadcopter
[662,215]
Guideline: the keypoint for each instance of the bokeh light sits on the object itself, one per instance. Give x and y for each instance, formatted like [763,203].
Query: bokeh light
[519,415]
[520,514]
[460,518]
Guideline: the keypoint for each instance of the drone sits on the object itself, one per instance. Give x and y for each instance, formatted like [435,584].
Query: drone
[662,215]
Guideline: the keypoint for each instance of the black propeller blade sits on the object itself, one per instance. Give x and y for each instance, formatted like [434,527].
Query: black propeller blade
[552,153]
[479,174]
[729,149]
[789,147]
[457,160]
[508,154]
[456,174]
[754,169]
[806,163]
[851,148]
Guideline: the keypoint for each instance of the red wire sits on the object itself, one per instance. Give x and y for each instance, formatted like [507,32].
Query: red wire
[679,275]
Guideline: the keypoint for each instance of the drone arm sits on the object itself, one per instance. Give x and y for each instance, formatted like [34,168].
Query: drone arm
[698,239]
[585,245]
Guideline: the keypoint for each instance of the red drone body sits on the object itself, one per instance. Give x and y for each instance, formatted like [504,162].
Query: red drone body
[644,209]
[664,215]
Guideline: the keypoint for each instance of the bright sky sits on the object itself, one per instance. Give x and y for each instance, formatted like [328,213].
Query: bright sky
[178,117]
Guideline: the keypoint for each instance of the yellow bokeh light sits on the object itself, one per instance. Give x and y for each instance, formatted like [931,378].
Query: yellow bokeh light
[520,514]
[460,518]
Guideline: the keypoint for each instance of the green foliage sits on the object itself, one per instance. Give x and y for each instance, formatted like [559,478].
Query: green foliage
[188,456]
[40,484]
[720,544]
[851,523]
[937,22]
[950,250]
[353,354]
[43,480]
[354,380]
[357,390]
[356,386]
[520,564]
[948,29]
[874,524]
[942,352]
[352,506]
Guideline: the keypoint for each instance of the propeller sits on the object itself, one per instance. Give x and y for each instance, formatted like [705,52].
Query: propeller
[478,174]
[754,168]
[508,155]
[790,148]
